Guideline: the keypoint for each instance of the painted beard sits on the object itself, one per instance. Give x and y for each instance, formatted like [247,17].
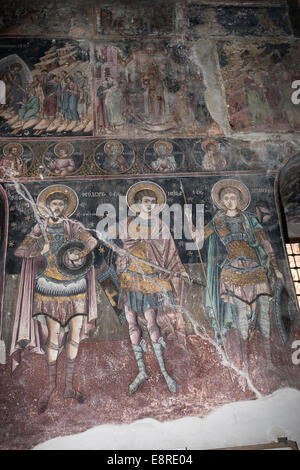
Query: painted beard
[56,215]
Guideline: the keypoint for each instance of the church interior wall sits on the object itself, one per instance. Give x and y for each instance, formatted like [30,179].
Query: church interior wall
[186,100]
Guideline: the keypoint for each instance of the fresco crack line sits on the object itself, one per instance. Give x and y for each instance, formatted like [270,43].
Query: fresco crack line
[165,299]
[220,350]
[240,377]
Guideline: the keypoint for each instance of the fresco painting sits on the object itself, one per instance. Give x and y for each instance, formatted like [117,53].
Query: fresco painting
[56,19]
[144,162]
[289,194]
[114,156]
[3,242]
[149,87]
[210,154]
[164,156]
[213,20]
[262,74]
[61,244]
[74,158]
[128,19]
[47,88]
[60,159]
[16,160]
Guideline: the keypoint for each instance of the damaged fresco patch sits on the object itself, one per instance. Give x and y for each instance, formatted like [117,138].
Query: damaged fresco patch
[147,87]
[258,81]
[45,18]
[143,333]
[131,19]
[146,151]
[289,194]
[73,158]
[236,20]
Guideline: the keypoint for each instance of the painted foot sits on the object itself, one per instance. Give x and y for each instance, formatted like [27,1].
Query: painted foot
[171,383]
[72,393]
[42,406]
[44,401]
[140,378]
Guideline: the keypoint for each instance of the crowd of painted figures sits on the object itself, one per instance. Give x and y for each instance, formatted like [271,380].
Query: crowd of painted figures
[43,101]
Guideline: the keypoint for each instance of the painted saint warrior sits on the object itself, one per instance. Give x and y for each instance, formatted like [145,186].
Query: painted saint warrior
[51,303]
[238,276]
[145,291]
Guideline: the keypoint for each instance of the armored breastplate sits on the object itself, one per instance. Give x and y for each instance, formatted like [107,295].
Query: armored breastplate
[237,232]
[57,237]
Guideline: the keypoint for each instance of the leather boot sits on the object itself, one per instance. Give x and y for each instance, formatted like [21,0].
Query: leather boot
[70,391]
[45,397]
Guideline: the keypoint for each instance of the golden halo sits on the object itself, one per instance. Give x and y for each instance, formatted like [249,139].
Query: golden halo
[9,146]
[208,142]
[57,188]
[110,143]
[244,193]
[64,146]
[140,186]
[167,144]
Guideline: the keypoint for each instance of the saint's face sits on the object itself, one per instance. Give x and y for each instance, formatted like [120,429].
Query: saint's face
[211,148]
[230,201]
[114,150]
[14,151]
[57,208]
[162,150]
[147,205]
[62,153]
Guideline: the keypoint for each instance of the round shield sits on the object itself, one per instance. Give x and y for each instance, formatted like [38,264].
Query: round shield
[68,263]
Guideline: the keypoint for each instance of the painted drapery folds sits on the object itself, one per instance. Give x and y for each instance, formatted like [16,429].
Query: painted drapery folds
[47,87]
[144,157]
[149,87]
[263,73]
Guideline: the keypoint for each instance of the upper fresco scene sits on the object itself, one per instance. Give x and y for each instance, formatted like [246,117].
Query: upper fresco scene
[41,17]
[204,19]
[47,88]
[258,80]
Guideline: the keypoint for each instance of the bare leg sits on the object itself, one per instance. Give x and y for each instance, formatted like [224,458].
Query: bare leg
[71,354]
[52,353]
[75,329]
[53,329]
[152,326]
[134,329]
